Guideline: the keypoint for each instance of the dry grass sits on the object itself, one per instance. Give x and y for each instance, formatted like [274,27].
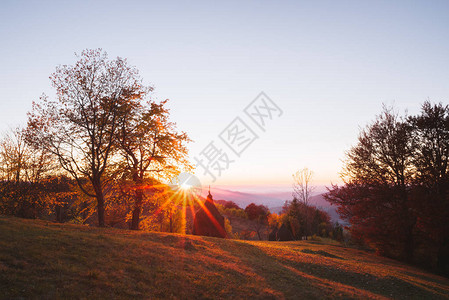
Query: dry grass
[55,261]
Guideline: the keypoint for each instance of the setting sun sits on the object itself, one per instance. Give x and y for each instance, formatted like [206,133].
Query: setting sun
[185,186]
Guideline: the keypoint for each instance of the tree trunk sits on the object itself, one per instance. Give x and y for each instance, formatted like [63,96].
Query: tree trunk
[100,209]
[100,201]
[135,221]
[409,245]
[443,257]
[171,221]
[307,222]
[84,211]
[443,247]
[58,213]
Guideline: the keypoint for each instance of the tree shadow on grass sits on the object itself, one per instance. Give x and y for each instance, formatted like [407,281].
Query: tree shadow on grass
[321,252]
[388,286]
[287,281]
[294,279]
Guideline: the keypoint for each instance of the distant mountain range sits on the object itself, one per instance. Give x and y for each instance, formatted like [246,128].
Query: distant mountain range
[273,200]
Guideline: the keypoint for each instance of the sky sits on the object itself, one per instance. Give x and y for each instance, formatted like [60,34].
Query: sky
[327,65]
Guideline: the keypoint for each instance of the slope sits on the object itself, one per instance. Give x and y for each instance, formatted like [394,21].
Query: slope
[39,259]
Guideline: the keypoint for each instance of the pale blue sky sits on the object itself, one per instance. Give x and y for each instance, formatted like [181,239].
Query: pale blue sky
[328,64]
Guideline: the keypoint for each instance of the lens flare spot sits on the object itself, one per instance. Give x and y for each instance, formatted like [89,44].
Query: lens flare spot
[185,186]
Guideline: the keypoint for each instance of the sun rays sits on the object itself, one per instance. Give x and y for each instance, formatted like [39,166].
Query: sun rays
[184,198]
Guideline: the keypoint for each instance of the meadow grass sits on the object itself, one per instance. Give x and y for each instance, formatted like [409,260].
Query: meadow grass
[40,259]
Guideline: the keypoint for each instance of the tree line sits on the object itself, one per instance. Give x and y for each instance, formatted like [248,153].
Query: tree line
[300,219]
[396,186]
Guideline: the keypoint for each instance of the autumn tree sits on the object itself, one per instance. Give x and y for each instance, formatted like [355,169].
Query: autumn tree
[320,223]
[293,217]
[337,232]
[60,194]
[21,161]
[274,221]
[376,197]
[22,167]
[151,147]
[431,161]
[12,155]
[259,215]
[165,210]
[302,191]
[80,126]
[231,205]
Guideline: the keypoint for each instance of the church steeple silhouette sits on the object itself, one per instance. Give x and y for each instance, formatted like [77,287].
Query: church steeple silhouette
[208,220]
[209,197]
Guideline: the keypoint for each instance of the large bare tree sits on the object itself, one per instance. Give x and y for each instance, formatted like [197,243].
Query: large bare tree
[80,126]
[302,190]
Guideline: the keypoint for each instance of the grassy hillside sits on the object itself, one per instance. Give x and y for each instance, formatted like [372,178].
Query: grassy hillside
[46,260]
